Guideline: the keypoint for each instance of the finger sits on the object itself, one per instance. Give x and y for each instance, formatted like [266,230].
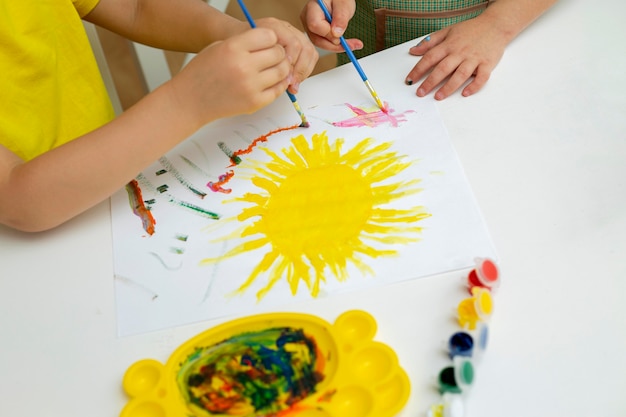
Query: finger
[266,95]
[480,79]
[443,70]
[293,48]
[303,67]
[428,42]
[422,46]
[301,54]
[424,65]
[323,43]
[274,91]
[313,20]
[354,44]
[341,12]
[265,85]
[288,36]
[464,72]
[258,39]
[273,77]
[268,58]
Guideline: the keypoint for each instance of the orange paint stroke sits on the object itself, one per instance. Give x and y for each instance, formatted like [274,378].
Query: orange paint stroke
[235,160]
[327,396]
[294,410]
[139,208]
[372,119]
[223,179]
[262,139]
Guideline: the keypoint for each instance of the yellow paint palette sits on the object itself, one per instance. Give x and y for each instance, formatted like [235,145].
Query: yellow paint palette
[273,365]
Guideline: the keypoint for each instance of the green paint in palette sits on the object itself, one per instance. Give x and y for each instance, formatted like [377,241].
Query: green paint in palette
[255,373]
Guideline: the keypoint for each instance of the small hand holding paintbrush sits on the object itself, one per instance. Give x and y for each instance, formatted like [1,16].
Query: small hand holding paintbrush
[353,59]
[292,97]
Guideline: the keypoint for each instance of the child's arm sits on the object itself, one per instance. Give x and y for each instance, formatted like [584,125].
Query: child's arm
[177,25]
[472,47]
[191,25]
[239,75]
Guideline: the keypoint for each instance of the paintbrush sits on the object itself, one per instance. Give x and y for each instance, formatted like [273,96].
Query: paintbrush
[354,60]
[292,97]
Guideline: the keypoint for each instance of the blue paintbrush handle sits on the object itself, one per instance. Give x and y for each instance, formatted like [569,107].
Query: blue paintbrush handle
[291,97]
[343,42]
[245,11]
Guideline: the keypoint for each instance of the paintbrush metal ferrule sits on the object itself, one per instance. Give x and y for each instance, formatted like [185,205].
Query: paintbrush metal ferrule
[293,99]
[376,98]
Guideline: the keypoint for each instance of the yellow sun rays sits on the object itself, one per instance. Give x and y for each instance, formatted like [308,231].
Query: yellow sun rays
[319,210]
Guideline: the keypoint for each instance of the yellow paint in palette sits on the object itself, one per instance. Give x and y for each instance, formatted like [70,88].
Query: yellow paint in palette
[319,206]
[279,364]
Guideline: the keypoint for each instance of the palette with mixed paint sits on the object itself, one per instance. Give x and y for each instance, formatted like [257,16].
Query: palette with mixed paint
[273,365]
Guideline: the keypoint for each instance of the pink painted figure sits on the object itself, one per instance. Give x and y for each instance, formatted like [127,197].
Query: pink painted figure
[372,119]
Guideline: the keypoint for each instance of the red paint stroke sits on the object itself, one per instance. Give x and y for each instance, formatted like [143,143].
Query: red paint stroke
[372,119]
[225,178]
[139,208]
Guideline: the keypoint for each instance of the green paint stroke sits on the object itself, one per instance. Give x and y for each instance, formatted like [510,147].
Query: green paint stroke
[196,209]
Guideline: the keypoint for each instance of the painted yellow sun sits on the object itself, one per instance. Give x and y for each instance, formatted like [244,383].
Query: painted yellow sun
[320,209]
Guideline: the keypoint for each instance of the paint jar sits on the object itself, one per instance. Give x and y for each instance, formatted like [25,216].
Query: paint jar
[457,378]
[482,339]
[476,308]
[483,336]
[451,405]
[460,344]
[486,274]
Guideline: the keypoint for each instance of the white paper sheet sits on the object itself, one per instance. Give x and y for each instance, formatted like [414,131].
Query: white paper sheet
[161,280]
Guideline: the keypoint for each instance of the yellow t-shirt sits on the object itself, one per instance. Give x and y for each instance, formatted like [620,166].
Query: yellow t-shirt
[50,87]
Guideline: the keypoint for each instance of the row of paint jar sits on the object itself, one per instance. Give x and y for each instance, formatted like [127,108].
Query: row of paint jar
[466,346]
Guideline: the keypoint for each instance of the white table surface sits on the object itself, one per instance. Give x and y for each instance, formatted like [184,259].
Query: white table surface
[544,148]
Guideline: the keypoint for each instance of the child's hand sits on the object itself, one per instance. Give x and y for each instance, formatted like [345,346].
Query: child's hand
[239,75]
[300,51]
[322,33]
[454,54]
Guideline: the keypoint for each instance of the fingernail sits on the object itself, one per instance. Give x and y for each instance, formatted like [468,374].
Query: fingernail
[426,39]
[295,87]
[338,31]
[421,92]
[439,96]
[409,81]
